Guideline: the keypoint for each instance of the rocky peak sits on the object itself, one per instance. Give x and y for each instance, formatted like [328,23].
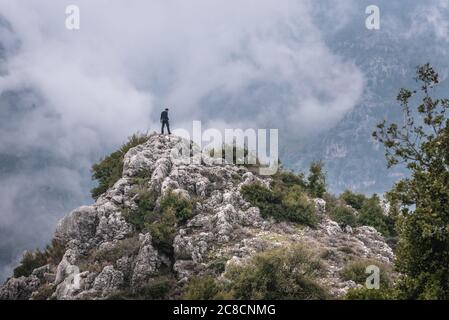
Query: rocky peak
[105,253]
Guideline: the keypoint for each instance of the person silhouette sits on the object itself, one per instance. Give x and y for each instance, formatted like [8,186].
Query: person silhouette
[164,121]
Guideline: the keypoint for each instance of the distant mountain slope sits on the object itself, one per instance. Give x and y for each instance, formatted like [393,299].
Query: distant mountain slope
[388,59]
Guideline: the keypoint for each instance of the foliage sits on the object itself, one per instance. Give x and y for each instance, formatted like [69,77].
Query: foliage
[174,209]
[55,251]
[146,202]
[353,199]
[31,260]
[126,247]
[356,271]
[290,179]
[344,216]
[181,206]
[317,179]
[158,288]
[241,156]
[282,203]
[160,221]
[218,265]
[372,214]
[298,207]
[421,143]
[163,230]
[277,274]
[109,170]
[44,292]
[202,288]
[371,294]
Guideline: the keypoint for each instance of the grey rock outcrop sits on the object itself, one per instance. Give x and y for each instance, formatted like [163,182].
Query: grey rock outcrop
[104,253]
[19,288]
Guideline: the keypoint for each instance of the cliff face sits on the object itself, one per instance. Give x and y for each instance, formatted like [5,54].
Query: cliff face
[104,253]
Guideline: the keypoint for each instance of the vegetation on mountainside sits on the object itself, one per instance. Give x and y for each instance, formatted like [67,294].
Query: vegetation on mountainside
[231,153]
[356,271]
[277,274]
[288,197]
[357,210]
[316,180]
[292,204]
[31,260]
[109,170]
[158,288]
[161,221]
[421,143]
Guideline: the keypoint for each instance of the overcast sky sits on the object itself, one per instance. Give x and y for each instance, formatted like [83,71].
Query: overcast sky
[252,63]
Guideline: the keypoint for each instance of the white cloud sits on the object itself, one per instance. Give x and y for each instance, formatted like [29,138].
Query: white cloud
[252,63]
[432,16]
[129,59]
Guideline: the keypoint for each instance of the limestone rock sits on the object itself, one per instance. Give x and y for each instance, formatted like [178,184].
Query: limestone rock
[108,281]
[19,288]
[105,254]
[147,262]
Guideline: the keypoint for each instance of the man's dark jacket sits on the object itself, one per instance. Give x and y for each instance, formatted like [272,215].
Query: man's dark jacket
[164,115]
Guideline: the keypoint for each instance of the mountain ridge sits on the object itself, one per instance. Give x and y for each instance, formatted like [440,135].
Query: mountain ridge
[104,250]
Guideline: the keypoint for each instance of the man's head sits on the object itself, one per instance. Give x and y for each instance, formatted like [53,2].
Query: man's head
[166,109]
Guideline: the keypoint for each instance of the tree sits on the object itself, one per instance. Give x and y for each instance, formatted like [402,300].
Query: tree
[422,144]
[317,179]
[109,170]
[372,214]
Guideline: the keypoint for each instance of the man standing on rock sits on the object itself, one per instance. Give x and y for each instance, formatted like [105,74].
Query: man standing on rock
[164,121]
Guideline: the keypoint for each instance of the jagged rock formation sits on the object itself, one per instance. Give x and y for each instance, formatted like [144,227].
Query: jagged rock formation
[104,253]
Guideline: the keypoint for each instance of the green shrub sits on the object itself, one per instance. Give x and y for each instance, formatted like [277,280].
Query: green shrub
[243,155]
[317,179]
[163,231]
[355,200]
[277,274]
[31,260]
[182,207]
[356,271]
[109,170]
[55,251]
[218,265]
[158,288]
[202,288]
[269,203]
[298,207]
[146,203]
[370,294]
[281,203]
[160,222]
[44,292]
[372,214]
[343,216]
[125,247]
[290,179]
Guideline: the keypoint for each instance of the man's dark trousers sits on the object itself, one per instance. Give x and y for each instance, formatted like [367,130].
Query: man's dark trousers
[165,123]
